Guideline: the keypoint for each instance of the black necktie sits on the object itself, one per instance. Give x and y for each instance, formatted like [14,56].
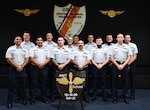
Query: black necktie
[108,43]
[99,46]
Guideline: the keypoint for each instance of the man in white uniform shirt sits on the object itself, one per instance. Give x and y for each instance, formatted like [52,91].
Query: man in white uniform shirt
[27,44]
[120,57]
[132,64]
[89,46]
[71,48]
[49,40]
[50,44]
[100,58]
[18,58]
[61,60]
[75,41]
[81,59]
[108,45]
[40,57]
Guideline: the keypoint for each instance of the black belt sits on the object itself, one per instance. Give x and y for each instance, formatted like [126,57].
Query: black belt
[120,62]
[99,63]
[76,66]
[60,63]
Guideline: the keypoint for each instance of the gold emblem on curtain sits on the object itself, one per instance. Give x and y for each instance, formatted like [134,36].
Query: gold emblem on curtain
[27,12]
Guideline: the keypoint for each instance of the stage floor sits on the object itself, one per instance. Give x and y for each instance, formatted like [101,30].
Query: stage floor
[142,102]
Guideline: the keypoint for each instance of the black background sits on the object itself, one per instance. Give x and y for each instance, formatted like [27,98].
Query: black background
[134,21]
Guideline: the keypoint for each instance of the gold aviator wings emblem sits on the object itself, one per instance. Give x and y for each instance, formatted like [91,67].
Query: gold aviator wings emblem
[27,12]
[111,13]
[70,81]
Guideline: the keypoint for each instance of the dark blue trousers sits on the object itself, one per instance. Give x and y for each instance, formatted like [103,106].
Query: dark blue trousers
[17,85]
[132,73]
[124,79]
[99,75]
[38,80]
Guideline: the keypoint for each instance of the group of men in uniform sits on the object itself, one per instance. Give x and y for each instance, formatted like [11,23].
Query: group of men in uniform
[39,62]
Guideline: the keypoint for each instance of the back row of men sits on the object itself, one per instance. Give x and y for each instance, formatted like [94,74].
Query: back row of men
[41,61]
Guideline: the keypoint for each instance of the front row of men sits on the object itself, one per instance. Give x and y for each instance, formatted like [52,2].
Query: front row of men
[65,58]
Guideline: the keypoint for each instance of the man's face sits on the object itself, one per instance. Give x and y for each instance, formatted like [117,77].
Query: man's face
[99,41]
[90,38]
[109,38]
[120,38]
[60,41]
[26,36]
[70,40]
[17,40]
[39,42]
[49,36]
[80,44]
[75,39]
[127,38]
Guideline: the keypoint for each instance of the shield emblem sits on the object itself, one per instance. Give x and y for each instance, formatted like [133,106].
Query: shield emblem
[69,20]
[70,84]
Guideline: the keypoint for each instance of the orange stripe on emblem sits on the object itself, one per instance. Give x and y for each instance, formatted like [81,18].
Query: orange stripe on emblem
[68,22]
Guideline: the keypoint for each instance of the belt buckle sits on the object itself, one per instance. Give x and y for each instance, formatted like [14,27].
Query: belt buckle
[121,62]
